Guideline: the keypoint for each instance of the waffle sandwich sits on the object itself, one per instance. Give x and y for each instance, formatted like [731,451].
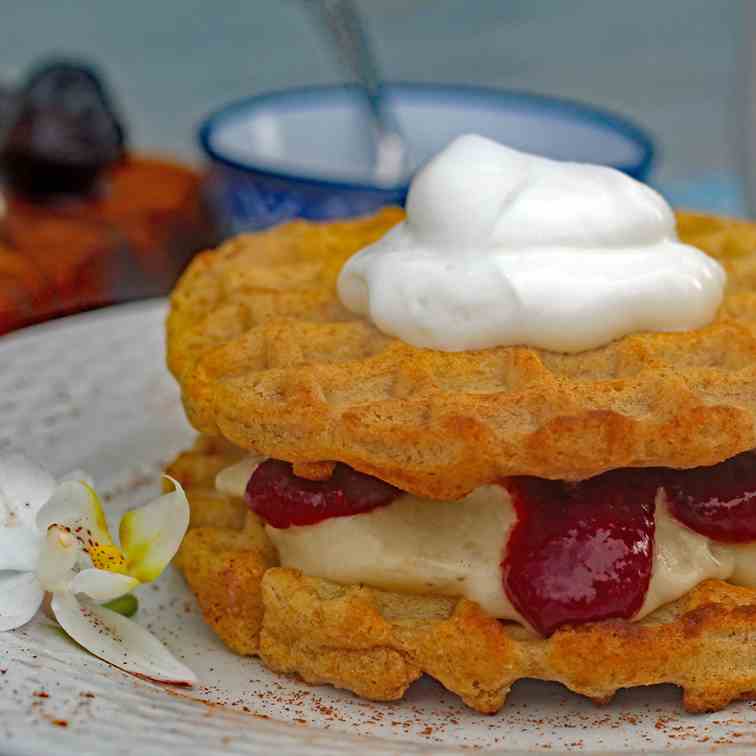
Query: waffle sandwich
[296,398]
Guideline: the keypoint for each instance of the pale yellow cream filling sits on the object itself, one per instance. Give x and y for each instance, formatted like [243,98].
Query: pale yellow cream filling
[455,548]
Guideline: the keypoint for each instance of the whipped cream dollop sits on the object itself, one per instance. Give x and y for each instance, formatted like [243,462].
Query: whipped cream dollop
[500,248]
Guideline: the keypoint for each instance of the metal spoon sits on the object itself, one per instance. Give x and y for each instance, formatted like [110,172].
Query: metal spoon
[342,20]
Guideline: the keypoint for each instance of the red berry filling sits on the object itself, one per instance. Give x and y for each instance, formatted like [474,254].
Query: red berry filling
[283,499]
[580,552]
[718,502]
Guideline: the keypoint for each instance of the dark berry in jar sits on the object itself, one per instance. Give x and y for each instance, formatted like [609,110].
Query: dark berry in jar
[8,98]
[64,132]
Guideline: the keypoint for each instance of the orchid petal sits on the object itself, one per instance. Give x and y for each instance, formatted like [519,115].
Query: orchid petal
[79,476]
[151,535]
[20,597]
[76,506]
[19,549]
[118,640]
[58,557]
[102,585]
[24,488]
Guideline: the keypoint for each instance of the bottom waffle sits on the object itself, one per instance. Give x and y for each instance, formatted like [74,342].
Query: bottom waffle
[376,643]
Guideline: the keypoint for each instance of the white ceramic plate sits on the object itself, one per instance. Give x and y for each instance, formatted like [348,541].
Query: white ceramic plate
[91,391]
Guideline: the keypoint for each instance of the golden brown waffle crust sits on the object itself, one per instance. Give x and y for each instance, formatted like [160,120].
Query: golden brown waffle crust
[376,643]
[267,356]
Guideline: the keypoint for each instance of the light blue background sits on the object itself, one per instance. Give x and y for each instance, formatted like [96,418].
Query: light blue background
[676,66]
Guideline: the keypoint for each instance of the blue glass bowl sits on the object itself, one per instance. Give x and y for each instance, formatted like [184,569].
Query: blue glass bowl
[307,153]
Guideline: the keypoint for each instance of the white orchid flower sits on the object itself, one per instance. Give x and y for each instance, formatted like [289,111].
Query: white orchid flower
[55,540]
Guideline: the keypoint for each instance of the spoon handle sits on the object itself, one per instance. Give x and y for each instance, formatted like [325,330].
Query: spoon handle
[342,19]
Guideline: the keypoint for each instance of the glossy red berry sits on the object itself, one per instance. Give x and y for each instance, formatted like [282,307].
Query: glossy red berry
[718,502]
[580,552]
[283,499]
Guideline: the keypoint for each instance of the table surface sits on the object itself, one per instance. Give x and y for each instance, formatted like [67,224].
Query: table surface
[673,66]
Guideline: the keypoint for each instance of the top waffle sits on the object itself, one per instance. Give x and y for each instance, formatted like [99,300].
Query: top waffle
[268,357]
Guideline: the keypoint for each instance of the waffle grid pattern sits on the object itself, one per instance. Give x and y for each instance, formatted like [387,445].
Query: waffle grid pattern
[267,356]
